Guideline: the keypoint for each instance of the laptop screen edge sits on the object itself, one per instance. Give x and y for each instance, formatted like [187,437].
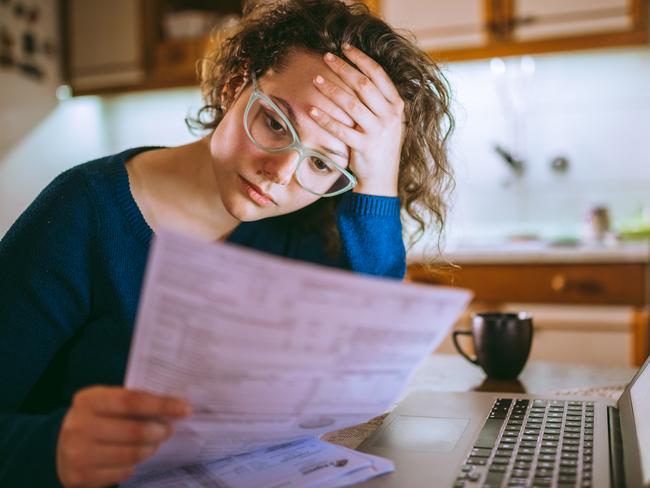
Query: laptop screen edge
[632,449]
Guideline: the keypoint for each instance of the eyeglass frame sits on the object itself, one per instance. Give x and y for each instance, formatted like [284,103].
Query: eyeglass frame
[303,152]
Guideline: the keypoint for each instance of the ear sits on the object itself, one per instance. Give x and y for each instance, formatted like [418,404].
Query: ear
[232,89]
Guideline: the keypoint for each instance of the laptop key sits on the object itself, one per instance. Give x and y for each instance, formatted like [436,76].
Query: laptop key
[489,433]
[501,460]
[494,478]
[567,478]
[477,461]
[481,452]
[542,483]
[543,472]
[474,477]
[518,473]
[524,457]
[523,482]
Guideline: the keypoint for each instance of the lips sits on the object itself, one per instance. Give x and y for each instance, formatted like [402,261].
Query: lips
[255,193]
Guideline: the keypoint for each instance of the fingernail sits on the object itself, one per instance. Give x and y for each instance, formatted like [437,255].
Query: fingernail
[346,46]
[329,57]
[183,409]
[319,79]
[314,112]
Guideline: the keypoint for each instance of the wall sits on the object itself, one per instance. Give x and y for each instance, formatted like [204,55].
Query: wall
[84,128]
[592,107]
[18,118]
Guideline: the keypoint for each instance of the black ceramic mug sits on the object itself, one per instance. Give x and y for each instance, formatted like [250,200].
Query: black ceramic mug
[501,342]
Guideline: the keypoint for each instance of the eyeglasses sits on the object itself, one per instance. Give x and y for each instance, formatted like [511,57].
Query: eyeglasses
[269,129]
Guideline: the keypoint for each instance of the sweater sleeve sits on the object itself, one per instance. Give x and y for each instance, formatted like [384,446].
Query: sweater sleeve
[371,235]
[44,298]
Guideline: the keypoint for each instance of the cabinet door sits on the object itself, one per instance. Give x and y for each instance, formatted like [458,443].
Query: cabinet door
[534,19]
[105,46]
[439,24]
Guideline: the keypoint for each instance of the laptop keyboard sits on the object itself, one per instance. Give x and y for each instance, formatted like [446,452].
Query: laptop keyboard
[532,443]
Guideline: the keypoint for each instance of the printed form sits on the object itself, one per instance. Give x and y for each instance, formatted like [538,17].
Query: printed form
[272,352]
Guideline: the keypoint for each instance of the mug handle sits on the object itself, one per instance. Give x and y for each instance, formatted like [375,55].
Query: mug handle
[454,337]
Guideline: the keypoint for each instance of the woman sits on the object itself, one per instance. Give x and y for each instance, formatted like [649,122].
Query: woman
[323,124]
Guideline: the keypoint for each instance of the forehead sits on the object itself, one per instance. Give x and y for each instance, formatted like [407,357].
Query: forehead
[299,69]
[294,83]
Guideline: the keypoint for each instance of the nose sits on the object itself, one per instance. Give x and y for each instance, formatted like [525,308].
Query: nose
[279,167]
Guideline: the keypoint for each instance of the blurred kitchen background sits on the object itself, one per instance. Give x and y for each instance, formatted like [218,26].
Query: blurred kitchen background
[551,149]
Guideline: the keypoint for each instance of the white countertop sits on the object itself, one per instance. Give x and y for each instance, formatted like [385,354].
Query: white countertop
[539,252]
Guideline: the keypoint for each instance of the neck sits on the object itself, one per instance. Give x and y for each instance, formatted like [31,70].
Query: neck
[186,195]
[194,161]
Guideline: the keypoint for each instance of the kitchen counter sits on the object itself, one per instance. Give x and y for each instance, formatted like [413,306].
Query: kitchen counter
[529,253]
[535,273]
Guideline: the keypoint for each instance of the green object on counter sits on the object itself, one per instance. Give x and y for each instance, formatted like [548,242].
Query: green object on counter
[635,234]
[637,228]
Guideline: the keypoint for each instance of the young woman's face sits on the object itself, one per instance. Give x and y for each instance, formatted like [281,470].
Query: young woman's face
[254,184]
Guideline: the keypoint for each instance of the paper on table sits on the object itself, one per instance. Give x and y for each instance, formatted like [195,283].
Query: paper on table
[269,350]
[308,463]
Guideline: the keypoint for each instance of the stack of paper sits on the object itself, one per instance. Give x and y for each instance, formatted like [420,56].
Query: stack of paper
[270,351]
[306,463]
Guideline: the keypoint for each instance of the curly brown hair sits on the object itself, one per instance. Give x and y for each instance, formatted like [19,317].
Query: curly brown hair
[271,31]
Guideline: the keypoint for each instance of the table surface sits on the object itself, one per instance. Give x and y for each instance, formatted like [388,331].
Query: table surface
[446,372]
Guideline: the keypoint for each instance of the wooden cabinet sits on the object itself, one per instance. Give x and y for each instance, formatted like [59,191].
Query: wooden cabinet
[533,20]
[558,283]
[124,44]
[441,25]
[471,29]
[121,45]
[103,44]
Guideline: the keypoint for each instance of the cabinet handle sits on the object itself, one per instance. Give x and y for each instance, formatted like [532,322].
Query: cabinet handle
[498,26]
[515,22]
[560,283]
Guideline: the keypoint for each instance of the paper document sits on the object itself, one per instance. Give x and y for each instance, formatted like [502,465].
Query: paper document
[307,463]
[269,350]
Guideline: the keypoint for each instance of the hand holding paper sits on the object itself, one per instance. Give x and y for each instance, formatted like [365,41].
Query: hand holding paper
[269,351]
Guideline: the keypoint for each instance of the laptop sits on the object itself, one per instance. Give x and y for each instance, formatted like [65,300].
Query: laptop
[440,439]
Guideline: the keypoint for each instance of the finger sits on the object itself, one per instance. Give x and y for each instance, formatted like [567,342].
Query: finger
[111,456]
[120,401]
[373,70]
[362,85]
[335,111]
[348,102]
[103,477]
[350,137]
[130,431]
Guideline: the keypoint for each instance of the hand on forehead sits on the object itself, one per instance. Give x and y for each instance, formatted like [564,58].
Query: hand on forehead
[295,81]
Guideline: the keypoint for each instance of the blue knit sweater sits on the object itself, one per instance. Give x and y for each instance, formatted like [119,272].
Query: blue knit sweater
[71,269]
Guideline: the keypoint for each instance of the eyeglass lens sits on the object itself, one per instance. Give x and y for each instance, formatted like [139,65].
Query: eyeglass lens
[269,130]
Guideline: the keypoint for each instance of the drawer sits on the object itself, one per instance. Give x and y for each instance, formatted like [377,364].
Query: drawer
[177,59]
[612,284]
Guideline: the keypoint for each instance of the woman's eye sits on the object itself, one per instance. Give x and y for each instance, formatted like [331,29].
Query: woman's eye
[274,125]
[320,165]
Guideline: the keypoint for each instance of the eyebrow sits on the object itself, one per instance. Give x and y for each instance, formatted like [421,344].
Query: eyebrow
[292,116]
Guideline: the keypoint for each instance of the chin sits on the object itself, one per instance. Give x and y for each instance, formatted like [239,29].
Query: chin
[245,211]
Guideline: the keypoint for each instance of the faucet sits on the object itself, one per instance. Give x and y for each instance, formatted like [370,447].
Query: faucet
[516,164]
